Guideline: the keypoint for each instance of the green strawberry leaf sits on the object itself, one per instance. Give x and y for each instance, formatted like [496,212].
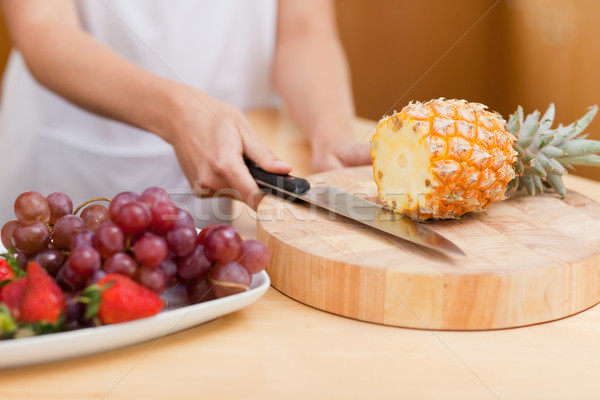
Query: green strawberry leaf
[43,327]
[92,296]
[12,261]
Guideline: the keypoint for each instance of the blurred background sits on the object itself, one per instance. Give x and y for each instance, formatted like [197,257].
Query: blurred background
[501,53]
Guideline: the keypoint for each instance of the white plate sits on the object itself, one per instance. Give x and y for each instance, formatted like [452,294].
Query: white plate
[80,342]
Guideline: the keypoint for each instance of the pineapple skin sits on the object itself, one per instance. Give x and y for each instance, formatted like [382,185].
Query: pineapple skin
[442,158]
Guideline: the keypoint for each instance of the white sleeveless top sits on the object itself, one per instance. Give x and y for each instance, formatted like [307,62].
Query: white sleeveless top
[223,47]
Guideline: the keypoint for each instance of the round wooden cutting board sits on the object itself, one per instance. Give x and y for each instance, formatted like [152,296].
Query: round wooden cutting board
[528,260]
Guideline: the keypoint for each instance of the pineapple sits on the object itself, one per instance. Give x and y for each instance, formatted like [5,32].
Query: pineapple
[444,158]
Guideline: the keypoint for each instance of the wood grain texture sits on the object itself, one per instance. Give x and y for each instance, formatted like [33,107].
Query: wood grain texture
[529,260]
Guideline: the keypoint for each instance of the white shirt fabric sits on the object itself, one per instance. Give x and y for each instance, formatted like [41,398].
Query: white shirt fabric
[224,48]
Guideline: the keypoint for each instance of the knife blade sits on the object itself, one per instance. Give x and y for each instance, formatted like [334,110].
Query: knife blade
[350,206]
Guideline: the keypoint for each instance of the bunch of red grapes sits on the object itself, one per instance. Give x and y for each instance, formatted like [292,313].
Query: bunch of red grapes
[143,236]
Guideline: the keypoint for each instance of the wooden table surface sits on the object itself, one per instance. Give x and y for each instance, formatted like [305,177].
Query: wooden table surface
[281,349]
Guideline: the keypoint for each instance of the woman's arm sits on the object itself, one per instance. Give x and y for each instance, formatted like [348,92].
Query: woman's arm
[209,137]
[312,76]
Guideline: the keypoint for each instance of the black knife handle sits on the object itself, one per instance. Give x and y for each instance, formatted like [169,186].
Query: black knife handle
[277,184]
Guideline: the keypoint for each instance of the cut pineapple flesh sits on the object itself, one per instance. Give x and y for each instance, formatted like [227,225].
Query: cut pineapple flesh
[442,159]
[407,171]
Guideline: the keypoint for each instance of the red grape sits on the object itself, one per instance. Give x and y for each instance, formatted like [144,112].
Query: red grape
[31,236]
[153,195]
[134,217]
[85,261]
[228,279]
[199,290]
[169,269]
[120,263]
[65,228]
[150,250]
[51,259]
[119,201]
[68,279]
[254,256]
[98,275]
[184,218]
[60,204]
[204,232]
[74,315]
[22,260]
[182,240]
[32,206]
[223,244]
[152,278]
[164,215]
[83,238]
[7,232]
[109,239]
[94,215]
[194,265]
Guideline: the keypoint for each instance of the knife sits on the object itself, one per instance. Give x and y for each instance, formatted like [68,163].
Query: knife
[358,209]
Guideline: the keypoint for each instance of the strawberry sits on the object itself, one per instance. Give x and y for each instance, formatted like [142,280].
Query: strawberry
[43,300]
[11,294]
[118,298]
[6,271]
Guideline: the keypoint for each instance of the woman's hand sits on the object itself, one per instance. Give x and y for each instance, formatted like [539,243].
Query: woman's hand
[337,157]
[210,139]
[338,149]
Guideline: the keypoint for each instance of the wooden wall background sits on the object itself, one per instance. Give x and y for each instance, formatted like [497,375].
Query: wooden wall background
[498,52]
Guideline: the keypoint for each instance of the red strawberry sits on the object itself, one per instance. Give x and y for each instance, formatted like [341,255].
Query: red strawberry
[121,299]
[43,300]
[11,294]
[6,271]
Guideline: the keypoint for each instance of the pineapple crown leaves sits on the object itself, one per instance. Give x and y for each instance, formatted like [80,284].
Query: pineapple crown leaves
[545,153]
